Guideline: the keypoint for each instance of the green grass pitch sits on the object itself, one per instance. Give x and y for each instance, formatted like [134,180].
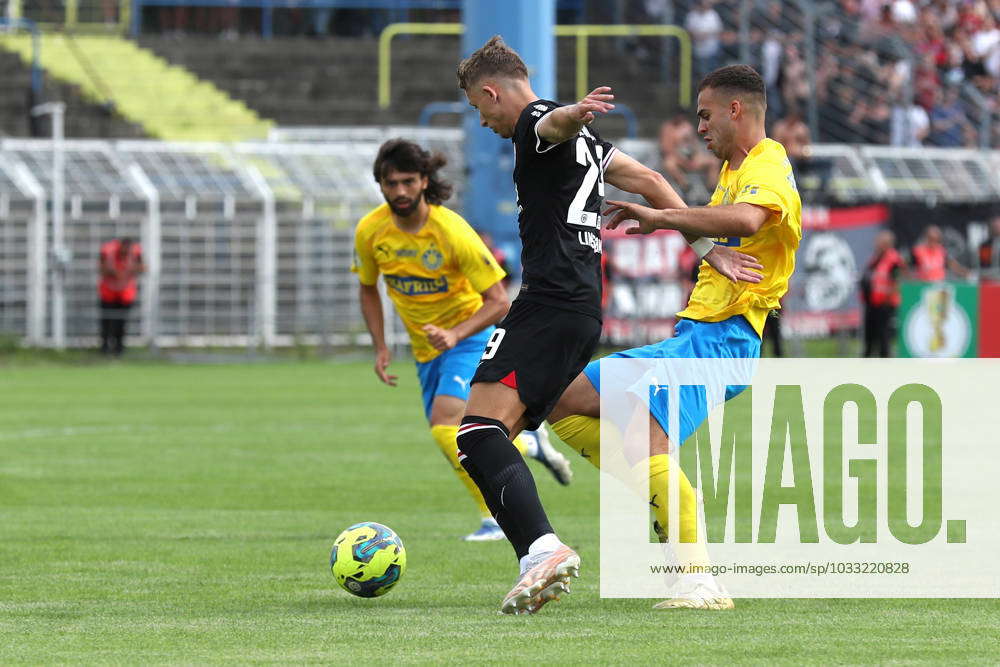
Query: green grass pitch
[157,513]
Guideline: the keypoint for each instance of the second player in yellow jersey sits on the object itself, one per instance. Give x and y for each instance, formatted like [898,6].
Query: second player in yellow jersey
[446,287]
[435,275]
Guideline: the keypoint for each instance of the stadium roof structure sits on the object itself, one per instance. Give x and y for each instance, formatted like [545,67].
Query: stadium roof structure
[332,166]
[8,184]
[850,179]
[92,167]
[179,170]
[351,146]
[995,168]
[322,171]
[945,175]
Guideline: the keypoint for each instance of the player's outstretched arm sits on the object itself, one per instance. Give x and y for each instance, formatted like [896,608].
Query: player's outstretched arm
[371,310]
[739,219]
[565,122]
[495,306]
[626,173]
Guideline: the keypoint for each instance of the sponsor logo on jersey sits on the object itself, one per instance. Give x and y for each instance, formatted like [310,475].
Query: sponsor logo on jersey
[406,252]
[589,239]
[728,241]
[749,189]
[432,258]
[541,107]
[417,286]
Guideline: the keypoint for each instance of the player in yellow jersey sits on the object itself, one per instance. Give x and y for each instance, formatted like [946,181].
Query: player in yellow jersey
[446,287]
[755,208]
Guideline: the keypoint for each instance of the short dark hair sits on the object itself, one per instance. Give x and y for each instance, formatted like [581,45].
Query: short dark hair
[494,58]
[738,80]
[406,156]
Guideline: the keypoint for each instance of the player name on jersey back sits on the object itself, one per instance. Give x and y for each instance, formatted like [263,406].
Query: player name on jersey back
[560,192]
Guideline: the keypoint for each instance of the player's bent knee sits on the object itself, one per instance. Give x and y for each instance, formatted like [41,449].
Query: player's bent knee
[495,400]
[580,398]
[446,410]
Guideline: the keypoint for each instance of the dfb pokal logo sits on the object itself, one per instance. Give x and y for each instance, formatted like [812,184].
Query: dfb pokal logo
[938,326]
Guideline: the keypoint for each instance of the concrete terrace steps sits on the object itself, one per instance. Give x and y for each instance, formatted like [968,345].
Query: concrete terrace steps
[334,81]
[168,101]
[84,119]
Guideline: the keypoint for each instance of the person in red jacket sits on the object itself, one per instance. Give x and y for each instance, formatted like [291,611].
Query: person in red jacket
[930,258]
[120,264]
[880,292]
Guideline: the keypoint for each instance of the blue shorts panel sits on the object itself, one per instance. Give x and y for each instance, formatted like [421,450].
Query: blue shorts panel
[449,373]
[733,338]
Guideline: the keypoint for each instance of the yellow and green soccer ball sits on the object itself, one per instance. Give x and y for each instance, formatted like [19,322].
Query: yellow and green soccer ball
[368,559]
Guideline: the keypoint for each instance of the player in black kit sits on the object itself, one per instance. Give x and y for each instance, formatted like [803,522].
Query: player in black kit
[554,324]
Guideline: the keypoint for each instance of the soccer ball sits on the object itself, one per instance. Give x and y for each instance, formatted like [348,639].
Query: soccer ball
[368,559]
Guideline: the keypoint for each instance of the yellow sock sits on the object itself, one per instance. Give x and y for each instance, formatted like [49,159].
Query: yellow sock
[659,479]
[582,434]
[445,437]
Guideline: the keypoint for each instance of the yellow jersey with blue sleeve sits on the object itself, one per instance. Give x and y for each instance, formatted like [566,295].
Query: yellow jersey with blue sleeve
[434,276]
[765,179]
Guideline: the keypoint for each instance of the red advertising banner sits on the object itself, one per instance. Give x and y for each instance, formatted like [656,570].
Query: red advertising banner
[648,278]
[989,319]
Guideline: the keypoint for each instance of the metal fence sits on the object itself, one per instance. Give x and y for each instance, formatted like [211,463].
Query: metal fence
[244,244]
[250,244]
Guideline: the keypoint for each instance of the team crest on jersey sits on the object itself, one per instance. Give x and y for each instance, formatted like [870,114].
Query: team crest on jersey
[432,259]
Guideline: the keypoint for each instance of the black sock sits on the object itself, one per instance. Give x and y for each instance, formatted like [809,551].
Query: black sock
[502,476]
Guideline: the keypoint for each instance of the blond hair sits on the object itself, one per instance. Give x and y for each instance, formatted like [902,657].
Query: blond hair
[492,59]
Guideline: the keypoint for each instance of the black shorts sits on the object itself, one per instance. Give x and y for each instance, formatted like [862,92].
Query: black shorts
[538,350]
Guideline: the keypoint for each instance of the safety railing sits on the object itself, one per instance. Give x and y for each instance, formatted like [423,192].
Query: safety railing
[252,241]
[582,33]
[75,15]
[15,22]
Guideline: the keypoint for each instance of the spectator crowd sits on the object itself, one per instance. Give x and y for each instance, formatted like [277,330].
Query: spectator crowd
[901,72]
[894,72]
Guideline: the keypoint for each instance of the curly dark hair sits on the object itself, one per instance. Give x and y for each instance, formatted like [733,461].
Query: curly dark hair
[406,156]
[740,80]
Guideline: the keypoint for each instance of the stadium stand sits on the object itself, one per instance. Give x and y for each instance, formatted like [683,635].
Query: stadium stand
[168,102]
[335,80]
[84,117]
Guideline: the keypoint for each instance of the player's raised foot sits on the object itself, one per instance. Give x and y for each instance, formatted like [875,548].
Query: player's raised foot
[551,458]
[699,596]
[546,578]
[489,531]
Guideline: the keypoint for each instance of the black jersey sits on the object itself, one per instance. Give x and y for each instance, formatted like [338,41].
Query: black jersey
[560,190]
